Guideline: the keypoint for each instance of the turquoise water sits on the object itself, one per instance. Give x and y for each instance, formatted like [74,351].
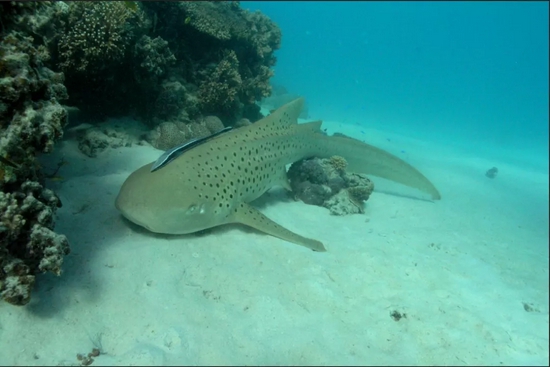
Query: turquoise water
[469,73]
[453,88]
[472,76]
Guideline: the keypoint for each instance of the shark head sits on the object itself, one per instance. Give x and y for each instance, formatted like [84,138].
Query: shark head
[179,209]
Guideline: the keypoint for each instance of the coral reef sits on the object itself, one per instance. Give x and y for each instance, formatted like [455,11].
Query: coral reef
[173,65]
[95,140]
[155,58]
[324,182]
[97,42]
[339,163]
[242,122]
[28,244]
[225,50]
[97,34]
[160,61]
[31,120]
[171,134]
[175,102]
[221,85]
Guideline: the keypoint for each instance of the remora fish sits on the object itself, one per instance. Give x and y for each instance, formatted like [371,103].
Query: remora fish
[211,184]
[175,152]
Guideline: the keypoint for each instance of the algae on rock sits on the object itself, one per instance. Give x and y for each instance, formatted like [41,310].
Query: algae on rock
[325,182]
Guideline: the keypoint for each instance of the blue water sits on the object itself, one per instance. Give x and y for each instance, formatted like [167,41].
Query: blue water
[469,73]
[469,270]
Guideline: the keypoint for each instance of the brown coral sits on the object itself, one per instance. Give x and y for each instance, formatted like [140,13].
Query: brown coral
[339,163]
[155,57]
[228,21]
[167,135]
[221,85]
[225,50]
[170,134]
[325,182]
[208,18]
[362,192]
[97,32]
[28,245]
[31,120]
[212,123]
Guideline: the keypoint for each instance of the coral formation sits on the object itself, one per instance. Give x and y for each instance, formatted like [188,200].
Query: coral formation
[324,182]
[171,103]
[242,122]
[95,45]
[221,85]
[173,65]
[155,58]
[226,51]
[339,163]
[93,141]
[213,123]
[29,245]
[97,33]
[227,21]
[31,120]
[204,58]
[170,134]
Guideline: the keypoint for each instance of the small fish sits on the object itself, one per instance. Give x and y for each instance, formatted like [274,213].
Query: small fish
[175,152]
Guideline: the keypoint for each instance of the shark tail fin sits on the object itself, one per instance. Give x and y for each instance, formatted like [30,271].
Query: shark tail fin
[368,159]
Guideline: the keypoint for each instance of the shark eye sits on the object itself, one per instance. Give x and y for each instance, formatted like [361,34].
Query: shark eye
[191,209]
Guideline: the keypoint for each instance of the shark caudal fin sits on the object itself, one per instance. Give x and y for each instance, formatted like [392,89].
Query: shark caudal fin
[370,160]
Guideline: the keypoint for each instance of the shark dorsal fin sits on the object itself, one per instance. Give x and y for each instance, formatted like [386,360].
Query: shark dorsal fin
[283,117]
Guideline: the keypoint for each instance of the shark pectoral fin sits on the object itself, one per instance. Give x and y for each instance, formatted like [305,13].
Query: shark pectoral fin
[247,215]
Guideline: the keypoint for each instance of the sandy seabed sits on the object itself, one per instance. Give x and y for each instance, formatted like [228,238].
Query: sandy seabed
[460,281]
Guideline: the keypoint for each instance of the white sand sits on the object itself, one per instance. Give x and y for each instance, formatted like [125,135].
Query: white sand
[461,270]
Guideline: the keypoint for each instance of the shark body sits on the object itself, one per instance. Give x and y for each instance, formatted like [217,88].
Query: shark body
[213,183]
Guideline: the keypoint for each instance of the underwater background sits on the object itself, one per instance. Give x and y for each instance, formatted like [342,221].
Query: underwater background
[92,91]
[472,74]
